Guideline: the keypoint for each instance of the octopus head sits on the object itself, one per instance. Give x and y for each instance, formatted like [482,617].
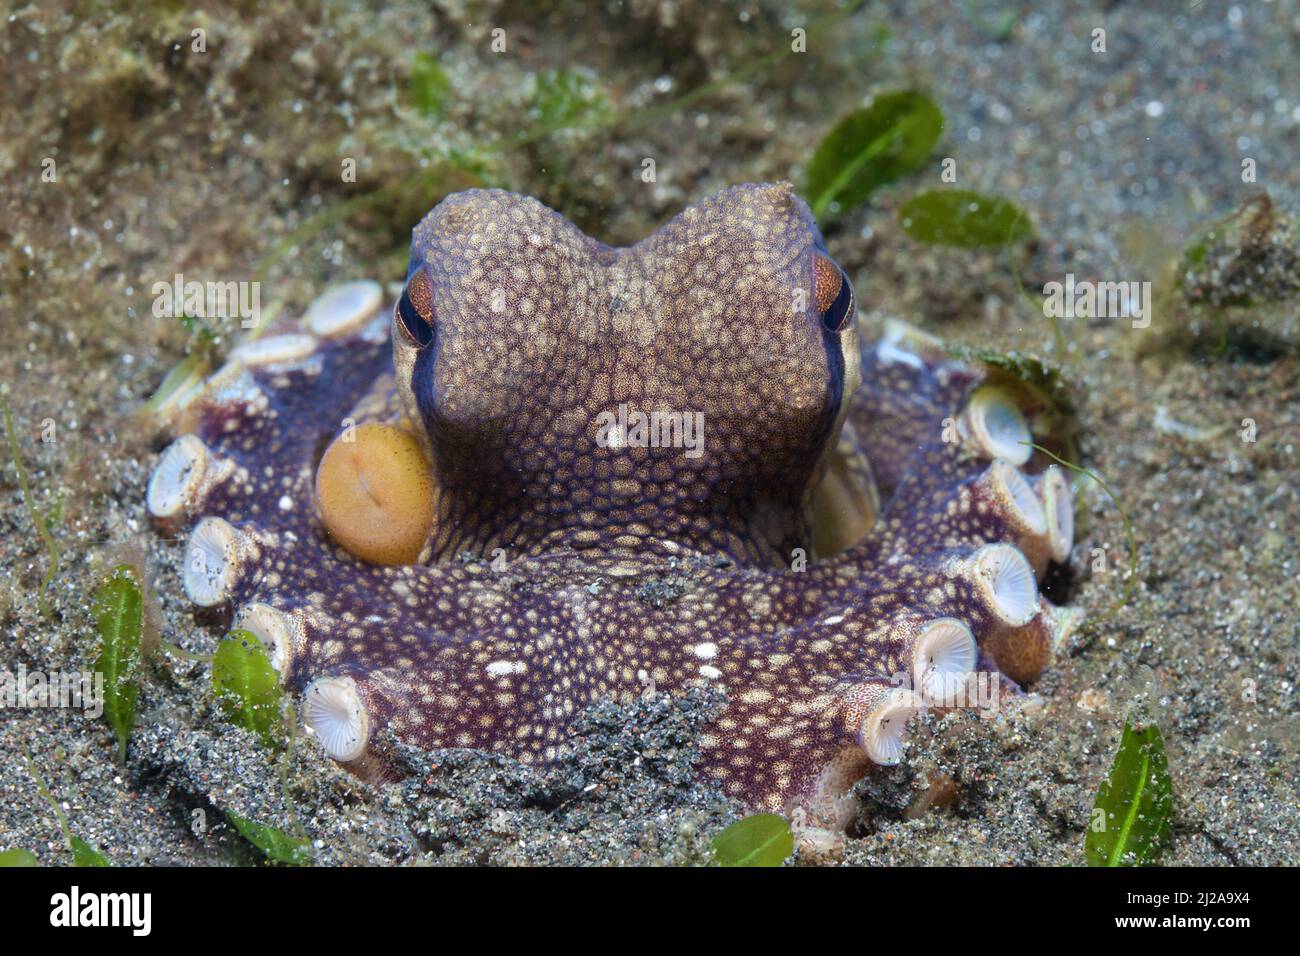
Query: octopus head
[688,388]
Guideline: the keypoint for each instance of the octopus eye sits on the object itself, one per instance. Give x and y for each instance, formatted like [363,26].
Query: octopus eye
[832,293]
[415,308]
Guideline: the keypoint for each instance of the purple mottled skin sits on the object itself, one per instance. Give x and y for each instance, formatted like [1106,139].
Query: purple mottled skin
[563,568]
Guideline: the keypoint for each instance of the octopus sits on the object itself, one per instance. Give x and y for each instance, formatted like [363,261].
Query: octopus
[555,471]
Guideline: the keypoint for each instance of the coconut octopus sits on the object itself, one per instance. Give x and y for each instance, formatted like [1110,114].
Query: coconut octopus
[558,471]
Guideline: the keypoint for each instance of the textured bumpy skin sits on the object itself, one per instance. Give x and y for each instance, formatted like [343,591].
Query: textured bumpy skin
[561,567]
[539,329]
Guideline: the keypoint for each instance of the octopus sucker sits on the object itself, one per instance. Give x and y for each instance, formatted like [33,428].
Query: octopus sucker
[878,714]
[553,471]
[1058,507]
[375,494]
[1003,483]
[996,425]
[213,555]
[1005,582]
[274,350]
[178,481]
[278,632]
[344,310]
[945,652]
[333,711]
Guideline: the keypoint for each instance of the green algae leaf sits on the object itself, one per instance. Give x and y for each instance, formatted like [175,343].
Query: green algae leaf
[429,85]
[959,217]
[183,375]
[764,839]
[119,622]
[18,857]
[871,147]
[83,854]
[564,98]
[276,844]
[247,686]
[1131,816]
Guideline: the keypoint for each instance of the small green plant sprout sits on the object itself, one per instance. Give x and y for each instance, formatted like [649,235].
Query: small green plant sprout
[83,853]
[39,522]
[429,85]
[248,687]
[962,218]
[763,839]
[1131,817]
[563,99]
[275,844]
[119,622]
[871,147]
[17,857]
[184,376]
